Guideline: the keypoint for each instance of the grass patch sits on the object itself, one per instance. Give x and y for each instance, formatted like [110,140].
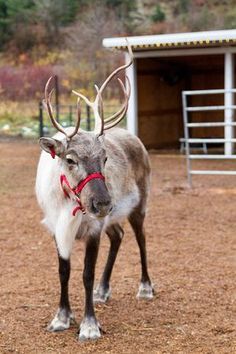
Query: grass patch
[22,118]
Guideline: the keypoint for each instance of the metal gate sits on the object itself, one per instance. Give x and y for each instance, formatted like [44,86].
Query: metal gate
[190,142]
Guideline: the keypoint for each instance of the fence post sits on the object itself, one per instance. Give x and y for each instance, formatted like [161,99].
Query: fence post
[88,118]
[41,133]
[70,114]
[229,101]
[186,136]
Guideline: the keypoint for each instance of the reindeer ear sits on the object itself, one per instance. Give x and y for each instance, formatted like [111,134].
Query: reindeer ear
[52,146]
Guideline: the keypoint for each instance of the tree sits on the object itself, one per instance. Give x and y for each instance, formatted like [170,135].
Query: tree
[159,14]
[14,13]
[90,61]
[122,8]
[52,16]
[26,23]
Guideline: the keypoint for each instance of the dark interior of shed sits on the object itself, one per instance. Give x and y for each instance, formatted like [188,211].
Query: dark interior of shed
[160,84]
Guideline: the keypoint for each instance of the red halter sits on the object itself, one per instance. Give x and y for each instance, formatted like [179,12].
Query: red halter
[77,190]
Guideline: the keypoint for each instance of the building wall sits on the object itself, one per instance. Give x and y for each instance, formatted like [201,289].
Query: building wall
[160,82]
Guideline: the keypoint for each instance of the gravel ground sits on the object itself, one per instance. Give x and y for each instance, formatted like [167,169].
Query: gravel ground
[191,252]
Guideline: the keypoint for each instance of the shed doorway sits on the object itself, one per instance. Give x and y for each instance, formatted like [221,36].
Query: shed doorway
[160,84]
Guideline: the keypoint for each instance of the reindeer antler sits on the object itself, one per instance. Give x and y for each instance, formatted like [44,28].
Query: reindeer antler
[122,112]
[97,105]
[47,101]
[101,124]
[116,71]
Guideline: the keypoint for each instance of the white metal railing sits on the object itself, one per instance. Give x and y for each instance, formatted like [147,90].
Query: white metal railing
[189,142]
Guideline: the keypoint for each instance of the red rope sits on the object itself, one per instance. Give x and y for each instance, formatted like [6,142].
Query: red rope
[78,189]
[83,183]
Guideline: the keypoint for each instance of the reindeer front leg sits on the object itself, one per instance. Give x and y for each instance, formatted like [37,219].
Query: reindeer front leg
[65,234]
[90,328]
[64,316]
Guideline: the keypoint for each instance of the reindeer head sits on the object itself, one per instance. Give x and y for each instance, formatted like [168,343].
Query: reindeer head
[82,154]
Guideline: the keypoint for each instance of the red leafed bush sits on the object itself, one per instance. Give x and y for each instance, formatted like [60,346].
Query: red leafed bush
[24,83]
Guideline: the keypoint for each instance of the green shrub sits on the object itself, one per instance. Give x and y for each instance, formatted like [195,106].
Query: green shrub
[159,15]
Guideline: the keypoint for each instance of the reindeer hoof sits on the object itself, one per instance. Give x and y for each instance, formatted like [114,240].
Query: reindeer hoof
[89,329]
[61,321]
[101,295]
[145,291]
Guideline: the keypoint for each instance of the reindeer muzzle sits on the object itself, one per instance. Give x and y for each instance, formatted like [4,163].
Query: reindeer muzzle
[74,193]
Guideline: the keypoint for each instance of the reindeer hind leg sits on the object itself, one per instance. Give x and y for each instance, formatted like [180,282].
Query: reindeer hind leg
[136,219]
[103,291]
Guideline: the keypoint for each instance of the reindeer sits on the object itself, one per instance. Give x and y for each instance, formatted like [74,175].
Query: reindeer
[86,184]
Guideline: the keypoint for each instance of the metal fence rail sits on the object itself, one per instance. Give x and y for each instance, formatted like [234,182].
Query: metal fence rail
[65,115]
[189,141]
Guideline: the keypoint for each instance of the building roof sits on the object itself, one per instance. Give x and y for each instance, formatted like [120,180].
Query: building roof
[176,40]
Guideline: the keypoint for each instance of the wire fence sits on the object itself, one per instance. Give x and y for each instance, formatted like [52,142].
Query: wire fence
[66,115]
[30,119]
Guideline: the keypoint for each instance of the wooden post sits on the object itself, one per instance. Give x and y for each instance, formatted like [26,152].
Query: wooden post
[88,121]
[70,114]
[132,113]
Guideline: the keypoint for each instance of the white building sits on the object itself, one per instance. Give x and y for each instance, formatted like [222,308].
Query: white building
[167,64]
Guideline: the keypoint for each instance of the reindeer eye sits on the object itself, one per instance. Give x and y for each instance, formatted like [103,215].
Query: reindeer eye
[105,160]
[70,162]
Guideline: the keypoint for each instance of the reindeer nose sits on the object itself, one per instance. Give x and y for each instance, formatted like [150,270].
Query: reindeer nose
[101,207]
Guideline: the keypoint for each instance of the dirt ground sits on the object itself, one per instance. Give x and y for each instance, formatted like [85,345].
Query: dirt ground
[191,250]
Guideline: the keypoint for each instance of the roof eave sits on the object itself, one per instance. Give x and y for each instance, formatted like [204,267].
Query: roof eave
[176,40]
